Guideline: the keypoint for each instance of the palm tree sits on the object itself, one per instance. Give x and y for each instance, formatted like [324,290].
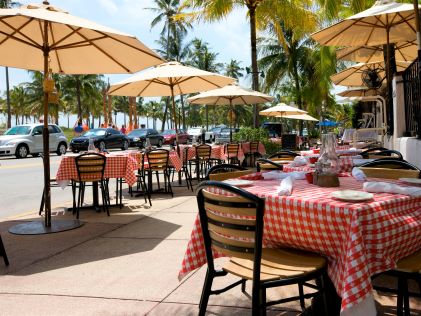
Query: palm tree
[260,13]
[8,4]
[179,51]
[203,58]
[284,57]
[233,69]
[19,103]
[166,11]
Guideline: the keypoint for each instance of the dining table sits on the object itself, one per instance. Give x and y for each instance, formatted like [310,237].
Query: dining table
[358,238]
[120,165]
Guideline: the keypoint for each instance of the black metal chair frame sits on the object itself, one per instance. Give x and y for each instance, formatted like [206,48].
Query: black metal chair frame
[81,182]
[387,152]
[3,253]
[141,187]
[259,287]
[262,161]
[283,154]
[224,168]
[185,167]
[403,164]
[402,291]
[163,168]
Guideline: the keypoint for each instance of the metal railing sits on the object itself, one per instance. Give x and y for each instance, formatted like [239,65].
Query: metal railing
[412,89]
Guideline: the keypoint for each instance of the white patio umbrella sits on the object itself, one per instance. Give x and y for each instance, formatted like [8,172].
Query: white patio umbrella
[42,37]
[404,51]
[281,110]
[169,79]
[352,76]
[232,94]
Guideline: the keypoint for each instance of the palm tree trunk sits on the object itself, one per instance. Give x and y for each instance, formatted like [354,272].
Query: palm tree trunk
[183,111]
[255,70]
[207,117]
[104,106]
[299,98]
[9,111]
[78,100]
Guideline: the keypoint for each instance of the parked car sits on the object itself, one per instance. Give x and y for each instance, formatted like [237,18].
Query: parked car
[210,135]
[138,137]
[24,140]
[196,132]
[169,136]
[224,135]
[104,138]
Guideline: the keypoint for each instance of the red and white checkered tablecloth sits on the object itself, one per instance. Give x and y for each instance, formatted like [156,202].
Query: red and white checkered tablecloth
[345,165]
[339,152]
[359,239]
[116,166]
[217,152]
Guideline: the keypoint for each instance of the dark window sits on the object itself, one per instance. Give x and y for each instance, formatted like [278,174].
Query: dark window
[37,130]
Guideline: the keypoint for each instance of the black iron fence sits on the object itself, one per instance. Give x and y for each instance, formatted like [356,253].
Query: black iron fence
[412,88]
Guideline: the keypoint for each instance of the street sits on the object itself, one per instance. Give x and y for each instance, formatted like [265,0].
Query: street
[22,184]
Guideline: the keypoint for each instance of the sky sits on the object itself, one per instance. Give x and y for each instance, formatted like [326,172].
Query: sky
[229,38]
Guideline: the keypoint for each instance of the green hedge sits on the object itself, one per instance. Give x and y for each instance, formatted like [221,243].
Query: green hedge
[247,134]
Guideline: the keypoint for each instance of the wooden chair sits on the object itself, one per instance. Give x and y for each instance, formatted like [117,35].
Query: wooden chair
[267,164]
[158,163]
[3,253]
[253,154]
[233,226]
[231,150]
[222,168]
[409,267]
[141,187]
[90,168]
[390,169]
[201,161]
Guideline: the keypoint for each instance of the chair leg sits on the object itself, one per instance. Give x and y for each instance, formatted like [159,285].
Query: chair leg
[407,309]
[301,292]
[74,195]
[207,286]
[121,193]
[324,296]
[3,252]
[262,302]
[104,195]
[243,286]
[79,198]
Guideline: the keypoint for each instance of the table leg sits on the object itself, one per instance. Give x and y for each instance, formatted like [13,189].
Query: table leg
[333,300]
[95,195]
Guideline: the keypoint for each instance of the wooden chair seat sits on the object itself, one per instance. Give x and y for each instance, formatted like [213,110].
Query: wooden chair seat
[277,264]
[411,263]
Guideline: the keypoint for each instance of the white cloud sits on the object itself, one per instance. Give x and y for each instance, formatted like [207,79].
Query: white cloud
[108,5]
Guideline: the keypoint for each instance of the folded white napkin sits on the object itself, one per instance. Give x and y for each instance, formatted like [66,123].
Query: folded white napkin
[358,174]
[391,188]
[279,175]
[286,186]
[299,161]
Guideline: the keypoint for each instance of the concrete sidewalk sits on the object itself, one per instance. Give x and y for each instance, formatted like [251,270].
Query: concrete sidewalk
[125,264]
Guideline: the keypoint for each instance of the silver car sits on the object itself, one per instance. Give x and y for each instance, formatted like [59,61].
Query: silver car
[22,140]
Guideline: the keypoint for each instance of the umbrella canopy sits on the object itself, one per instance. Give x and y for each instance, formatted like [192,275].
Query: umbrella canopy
[232,94]
[358,92]
[281,110]
[169,79]
[43,37]
[404,51]
[303,117]
[372,27]
[75,45]
[352,76]
[327,123]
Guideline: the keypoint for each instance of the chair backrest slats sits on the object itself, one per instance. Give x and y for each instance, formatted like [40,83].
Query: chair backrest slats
[203,151]
[254,147]
[232,149]
[157,159]
[229,175]
[90,167]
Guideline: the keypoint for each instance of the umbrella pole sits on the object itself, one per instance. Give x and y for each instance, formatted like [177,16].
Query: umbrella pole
[173,113]
[230,117]
[389,83]
[46,138]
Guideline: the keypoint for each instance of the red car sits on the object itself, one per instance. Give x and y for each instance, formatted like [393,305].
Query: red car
[169,136]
